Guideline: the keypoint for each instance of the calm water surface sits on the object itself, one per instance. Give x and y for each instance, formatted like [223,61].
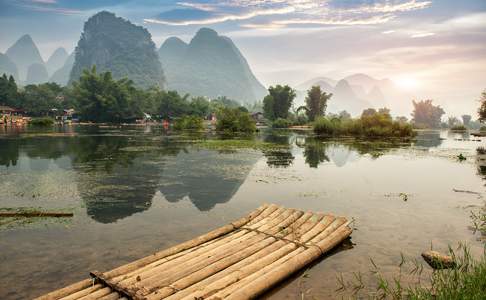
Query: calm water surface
[137,190]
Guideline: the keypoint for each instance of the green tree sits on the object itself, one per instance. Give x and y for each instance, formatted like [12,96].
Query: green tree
[200,107]
[278,102]
[100,98]
[482,108]
[232,120]
[40,99]
[452,121]
[9,95]
[425,114]
[172,104]
[316,102]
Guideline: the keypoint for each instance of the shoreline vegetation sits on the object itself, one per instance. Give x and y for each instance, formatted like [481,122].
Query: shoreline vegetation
[100,99]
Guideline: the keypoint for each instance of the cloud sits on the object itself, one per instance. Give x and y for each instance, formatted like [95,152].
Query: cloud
[44,1]
[213,18]
[422,35]
[281,13]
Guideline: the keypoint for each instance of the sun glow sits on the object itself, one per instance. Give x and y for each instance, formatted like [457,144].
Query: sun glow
[406,82]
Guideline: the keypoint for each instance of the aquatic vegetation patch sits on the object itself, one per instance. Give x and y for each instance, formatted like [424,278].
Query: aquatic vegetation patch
[12,218]
[237,144]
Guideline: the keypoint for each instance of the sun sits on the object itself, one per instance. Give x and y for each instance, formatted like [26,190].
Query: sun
[407,82]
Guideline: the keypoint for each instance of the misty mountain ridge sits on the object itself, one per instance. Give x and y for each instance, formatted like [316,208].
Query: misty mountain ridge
[61,76]
[116,45]
[210,65]
[357,92]
[24,53]
[56,60]
[8,67]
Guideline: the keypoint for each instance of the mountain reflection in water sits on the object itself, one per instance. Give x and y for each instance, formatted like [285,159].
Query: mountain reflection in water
[118,172]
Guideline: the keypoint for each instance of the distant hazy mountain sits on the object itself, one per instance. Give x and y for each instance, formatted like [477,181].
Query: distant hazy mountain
[114,44]
[345,98]
[357,92]
[61,76]
[24,53]
[324,82]
[56,60]
[37,73]
[210,65]
[7,66]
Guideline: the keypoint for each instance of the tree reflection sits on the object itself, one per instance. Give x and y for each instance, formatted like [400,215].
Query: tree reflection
[315,152]
[282,155]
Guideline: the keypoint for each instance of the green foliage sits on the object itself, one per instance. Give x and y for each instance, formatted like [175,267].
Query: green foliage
[102,99]
[482,108]
[233,120]
[281,123]
[459,127]
[200,106]
[189,123]
[426,115]
[278,102]
[371,124]
[316,102]
[38,100]
[42,122]
[9,95]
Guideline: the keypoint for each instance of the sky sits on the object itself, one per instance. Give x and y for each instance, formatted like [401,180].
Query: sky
[431,49]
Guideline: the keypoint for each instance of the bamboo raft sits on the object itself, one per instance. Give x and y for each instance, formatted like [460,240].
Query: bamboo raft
[238,261]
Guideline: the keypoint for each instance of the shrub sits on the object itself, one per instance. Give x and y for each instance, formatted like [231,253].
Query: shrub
[459,128]
[371,124]
[44,122]
[325,126]
[482,129]
[231,120]
[281,123]
[189,123]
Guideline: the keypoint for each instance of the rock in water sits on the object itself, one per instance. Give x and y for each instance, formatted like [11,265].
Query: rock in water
[37,73]
[24,53]
[210,65]
[116,45]
[438,261]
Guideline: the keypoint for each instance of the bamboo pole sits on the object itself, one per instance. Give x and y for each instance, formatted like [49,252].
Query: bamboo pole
[217,266]
[265,282]
[213,256]
[98,294]
[225,247]
[35,214]
[221,247]
[201,284]
[111,296]
[152,268]
[266,256]
[76,287]
[83,292]
[186,245]
[326,221]
[265,269]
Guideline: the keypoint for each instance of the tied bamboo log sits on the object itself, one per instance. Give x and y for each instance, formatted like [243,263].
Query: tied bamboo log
[241,260]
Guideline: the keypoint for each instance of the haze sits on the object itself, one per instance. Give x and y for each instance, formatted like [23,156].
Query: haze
[430,49]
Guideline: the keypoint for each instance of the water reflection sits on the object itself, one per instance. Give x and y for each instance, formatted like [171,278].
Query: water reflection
[117,176]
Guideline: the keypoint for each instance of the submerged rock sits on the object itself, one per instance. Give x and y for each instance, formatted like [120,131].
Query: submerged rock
[438,260]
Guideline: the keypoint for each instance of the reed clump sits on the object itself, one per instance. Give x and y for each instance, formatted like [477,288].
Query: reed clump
[376,124]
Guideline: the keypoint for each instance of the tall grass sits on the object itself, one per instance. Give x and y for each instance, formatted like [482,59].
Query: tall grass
[374,126]
[466,281]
